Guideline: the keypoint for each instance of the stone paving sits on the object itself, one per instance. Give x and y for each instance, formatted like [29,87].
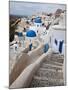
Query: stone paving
[50,72]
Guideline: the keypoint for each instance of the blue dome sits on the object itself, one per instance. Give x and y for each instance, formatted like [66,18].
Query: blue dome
[38,20]
[31,33]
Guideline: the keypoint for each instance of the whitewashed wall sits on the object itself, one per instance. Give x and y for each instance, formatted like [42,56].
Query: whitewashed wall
[59,35]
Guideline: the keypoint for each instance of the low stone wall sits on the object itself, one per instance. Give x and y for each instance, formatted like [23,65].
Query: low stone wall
[36,53]
[19,66]
[26,75]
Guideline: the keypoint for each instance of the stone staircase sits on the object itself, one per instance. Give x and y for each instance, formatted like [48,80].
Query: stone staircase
[50,72]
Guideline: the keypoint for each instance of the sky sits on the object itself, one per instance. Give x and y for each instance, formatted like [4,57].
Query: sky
[25,8]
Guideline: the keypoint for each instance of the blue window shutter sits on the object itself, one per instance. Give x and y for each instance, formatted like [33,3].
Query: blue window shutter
[30,46]
[61,46]
[56,42]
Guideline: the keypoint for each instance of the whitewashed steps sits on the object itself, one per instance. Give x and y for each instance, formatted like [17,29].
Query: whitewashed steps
[46,82]
[53,62]
[48,66]
[50,72]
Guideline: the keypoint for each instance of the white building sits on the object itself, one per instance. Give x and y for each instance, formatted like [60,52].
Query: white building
[58,36]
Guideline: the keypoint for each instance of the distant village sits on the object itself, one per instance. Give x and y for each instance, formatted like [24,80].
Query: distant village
[24,22]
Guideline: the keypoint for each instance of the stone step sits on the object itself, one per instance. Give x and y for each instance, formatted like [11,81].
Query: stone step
[42,72]
[50,72]
[52,62]
[53,70]
[43,82]
[49,69]
[59,60]
[54,53]
[55,58]
[59,57]
[50,66]
[38,83]
[57,54]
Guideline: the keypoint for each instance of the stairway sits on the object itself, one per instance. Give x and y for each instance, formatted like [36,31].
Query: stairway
[50,72]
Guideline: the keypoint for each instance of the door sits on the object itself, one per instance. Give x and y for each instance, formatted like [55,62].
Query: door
[61,46]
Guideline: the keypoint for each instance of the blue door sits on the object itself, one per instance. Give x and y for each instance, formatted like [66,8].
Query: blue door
[30,46]
[61,46]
